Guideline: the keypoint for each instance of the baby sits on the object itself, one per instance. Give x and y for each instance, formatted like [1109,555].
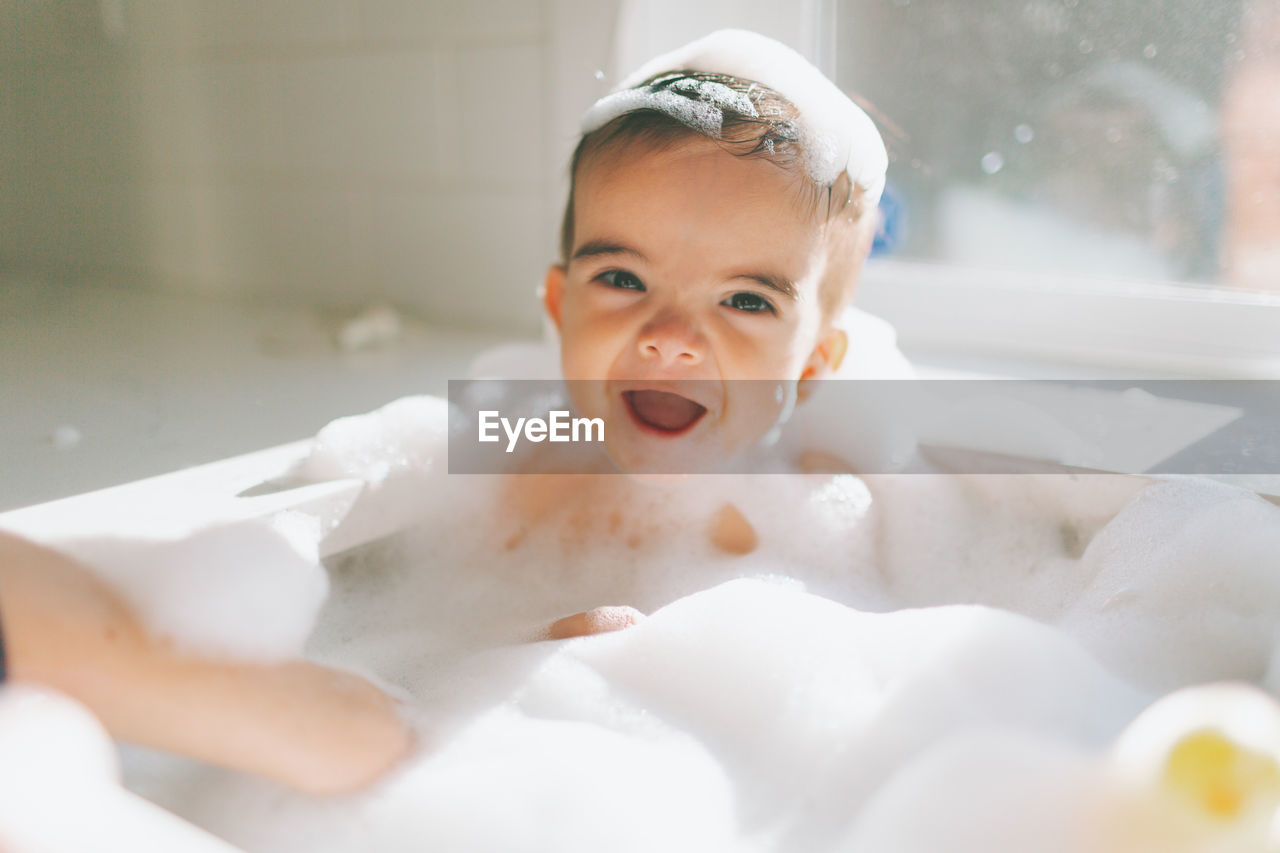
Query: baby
[721,205]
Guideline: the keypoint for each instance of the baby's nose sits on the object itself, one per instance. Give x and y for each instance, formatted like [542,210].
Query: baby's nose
[672,341]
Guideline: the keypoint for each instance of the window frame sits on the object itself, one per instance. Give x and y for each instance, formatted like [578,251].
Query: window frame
[1137,328]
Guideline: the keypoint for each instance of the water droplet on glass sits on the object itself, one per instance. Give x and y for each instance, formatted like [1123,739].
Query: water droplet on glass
[599,75]
[1158,167]
[1114,134]
[1149,51]
[1086,46]
[992,162]
[1023,133]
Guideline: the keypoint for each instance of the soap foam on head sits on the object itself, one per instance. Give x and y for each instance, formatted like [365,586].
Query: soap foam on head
[835,134]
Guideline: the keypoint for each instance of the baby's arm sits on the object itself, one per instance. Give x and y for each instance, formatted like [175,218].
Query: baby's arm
[316,729]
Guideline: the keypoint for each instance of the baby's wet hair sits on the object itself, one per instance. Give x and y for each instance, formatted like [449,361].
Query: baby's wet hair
[746,119]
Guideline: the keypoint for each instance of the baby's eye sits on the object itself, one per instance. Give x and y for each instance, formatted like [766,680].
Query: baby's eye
[752,303]
[620,279]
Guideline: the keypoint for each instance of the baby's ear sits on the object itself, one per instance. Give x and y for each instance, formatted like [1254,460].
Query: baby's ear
[553,292]
[824,360]
[827,355]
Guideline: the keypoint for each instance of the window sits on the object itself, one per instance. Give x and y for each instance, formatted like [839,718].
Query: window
[1081,183]
[1129,138]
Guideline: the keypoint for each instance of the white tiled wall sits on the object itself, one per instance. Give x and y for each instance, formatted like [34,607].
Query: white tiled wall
[335,151]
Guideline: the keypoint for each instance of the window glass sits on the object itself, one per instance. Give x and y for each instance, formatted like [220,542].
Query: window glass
[1132,138]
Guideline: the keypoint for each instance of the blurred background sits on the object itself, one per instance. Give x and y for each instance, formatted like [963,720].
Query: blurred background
[202,200]
[327,150]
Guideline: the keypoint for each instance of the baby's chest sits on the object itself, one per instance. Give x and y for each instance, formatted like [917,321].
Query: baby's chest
[709,515]
[586,512]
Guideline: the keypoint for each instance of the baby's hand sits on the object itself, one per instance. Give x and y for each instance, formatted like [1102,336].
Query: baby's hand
[601,620]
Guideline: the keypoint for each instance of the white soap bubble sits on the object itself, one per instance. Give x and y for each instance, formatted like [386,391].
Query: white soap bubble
[231,587]
[992,162]
[65,437]
[1024,133]
[379,325]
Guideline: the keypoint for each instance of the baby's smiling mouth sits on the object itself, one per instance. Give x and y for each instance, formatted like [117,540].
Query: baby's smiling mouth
[662,412]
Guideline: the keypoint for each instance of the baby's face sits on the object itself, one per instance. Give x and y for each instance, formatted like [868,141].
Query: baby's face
[692,270]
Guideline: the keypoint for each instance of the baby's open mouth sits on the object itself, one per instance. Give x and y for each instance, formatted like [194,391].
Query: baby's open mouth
[663,412]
